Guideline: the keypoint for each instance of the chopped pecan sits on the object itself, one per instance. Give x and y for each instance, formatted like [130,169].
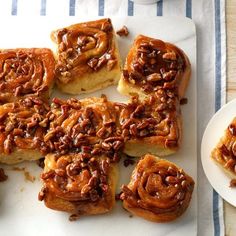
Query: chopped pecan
[3,176]
[123,31]
[93,63]
[232,183]
[171,180]
[154,77]
[47,175]
[169,56]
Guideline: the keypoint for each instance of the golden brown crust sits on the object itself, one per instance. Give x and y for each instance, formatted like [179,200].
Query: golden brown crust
[26,72]
[23,126]
[159,191]
[152,64]
[88,57]
[78,185]
[224,154]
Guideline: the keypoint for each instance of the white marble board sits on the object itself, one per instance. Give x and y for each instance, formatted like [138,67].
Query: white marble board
[20,211]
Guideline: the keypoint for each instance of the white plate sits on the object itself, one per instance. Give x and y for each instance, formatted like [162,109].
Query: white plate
[213,132]
[20,211]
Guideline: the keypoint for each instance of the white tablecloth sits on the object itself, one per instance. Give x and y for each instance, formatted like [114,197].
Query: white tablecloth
[209,17]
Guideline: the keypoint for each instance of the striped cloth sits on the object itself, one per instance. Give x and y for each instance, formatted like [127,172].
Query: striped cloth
[209,17]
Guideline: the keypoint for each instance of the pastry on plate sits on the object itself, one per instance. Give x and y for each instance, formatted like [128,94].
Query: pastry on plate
[152,125]
[224,154]
[87,55]
[23,126]
[152,64]
[26,72]
[158,191]
[80,186]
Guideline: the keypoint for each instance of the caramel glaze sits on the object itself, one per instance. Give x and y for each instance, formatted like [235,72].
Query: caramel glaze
[84,48]
[76,178]
[87,126]
[157,116]
[153,64]
[25,72]
[159,187]
[23,125]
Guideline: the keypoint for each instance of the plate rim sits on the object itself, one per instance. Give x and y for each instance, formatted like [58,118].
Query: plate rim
[212,122]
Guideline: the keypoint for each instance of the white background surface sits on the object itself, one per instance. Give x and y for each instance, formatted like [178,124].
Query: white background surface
[214,131]
[20,211]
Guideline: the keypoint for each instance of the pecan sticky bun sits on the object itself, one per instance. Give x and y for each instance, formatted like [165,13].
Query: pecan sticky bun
[152,64]
[224,154]
[26,72]
[88,58]
[152,125]
[88,126]
[79,185]
[23,125]
[158,191]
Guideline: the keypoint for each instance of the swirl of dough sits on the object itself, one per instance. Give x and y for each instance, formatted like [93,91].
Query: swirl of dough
[86,42]
[25,72]
[84,48]
[159,190]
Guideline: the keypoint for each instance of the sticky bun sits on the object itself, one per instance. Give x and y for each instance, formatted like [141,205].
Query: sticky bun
[158,191]
[152,64]
[88,57]
[26,72]
[79,185]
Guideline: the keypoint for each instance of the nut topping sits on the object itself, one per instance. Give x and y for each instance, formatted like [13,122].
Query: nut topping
[123,31]
[169,56]
[154,77]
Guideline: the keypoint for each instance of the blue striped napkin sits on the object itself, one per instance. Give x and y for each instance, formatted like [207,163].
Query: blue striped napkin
[209,17]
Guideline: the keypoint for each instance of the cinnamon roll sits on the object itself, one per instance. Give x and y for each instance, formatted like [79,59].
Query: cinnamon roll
[159,191]
[78,185]
[152,64]
[26,72]
[88,125]
[224,154]
[23,125]
[152,125]
[88,57]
